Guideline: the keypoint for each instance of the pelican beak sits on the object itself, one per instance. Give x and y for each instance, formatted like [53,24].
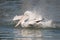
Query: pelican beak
[18,24]
[21,20]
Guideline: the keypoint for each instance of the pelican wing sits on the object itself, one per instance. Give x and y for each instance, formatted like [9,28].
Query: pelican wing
[17,17]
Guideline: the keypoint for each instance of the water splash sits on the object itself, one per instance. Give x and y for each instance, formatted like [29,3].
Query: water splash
[33,19]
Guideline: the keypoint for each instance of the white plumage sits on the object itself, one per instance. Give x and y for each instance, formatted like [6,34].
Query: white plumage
[30,19]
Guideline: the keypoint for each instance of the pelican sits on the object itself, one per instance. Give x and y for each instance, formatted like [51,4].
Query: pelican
[23,18]
[30,19]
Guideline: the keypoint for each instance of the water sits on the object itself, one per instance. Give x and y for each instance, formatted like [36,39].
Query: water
[47,8]
[11,33]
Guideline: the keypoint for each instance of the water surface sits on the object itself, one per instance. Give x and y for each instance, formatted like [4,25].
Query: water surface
[11,33]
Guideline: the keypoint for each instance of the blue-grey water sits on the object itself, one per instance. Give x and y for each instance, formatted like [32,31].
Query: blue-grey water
[11,33]
[47,8]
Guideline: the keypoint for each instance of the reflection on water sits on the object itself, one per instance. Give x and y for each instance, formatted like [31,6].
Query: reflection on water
[11,33]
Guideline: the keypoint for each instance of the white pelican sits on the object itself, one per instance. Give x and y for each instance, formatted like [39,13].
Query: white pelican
[23,18]
[30,19]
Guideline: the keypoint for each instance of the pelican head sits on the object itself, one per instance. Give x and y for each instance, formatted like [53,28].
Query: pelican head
[27,13]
